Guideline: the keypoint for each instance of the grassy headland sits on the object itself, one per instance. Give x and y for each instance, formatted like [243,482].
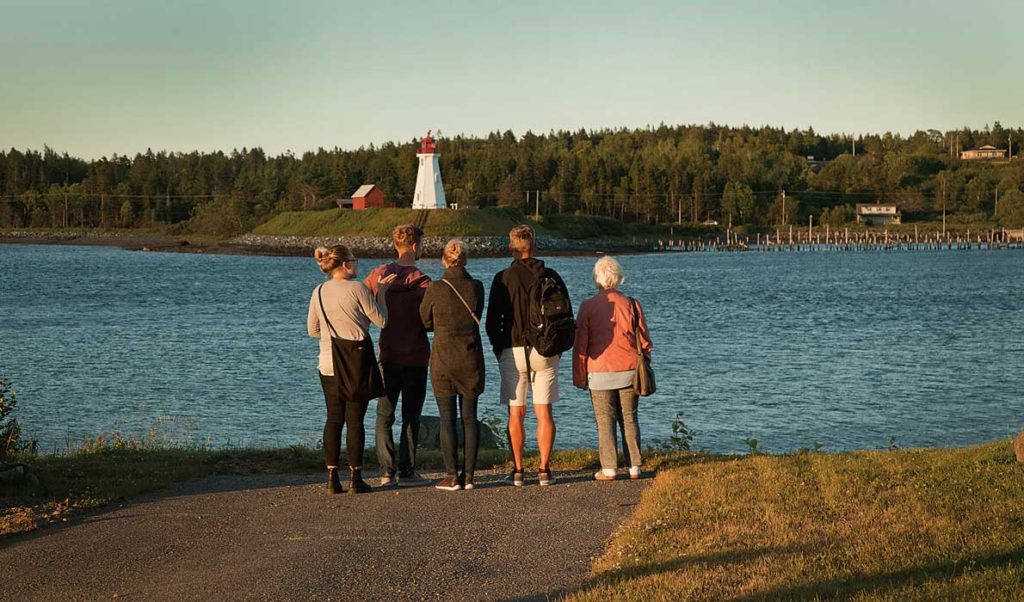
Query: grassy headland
[489,221]
[896,525]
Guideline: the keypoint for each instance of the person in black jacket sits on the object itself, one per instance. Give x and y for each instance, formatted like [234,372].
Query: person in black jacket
[451,308]
[507,317]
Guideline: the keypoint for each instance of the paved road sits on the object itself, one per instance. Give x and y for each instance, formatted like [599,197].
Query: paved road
[281,537]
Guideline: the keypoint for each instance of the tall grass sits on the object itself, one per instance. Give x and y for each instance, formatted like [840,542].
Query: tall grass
[894,525]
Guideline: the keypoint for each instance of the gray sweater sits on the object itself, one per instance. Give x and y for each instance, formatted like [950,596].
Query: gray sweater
[351,308]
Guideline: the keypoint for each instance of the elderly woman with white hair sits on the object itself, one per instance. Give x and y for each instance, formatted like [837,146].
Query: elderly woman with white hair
[604,360]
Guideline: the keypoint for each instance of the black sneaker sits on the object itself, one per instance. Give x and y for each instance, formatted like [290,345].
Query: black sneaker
[544,477]
[411,479]
[449,483]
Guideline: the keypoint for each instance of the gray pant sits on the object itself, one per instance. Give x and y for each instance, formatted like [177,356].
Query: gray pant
[611,407]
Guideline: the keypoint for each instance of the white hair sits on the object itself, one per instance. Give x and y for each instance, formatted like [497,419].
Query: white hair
[608,273]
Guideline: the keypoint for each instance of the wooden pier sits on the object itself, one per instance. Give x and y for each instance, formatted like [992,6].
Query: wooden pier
[830,240]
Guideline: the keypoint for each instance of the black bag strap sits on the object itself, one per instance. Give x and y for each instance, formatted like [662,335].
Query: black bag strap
[457,294]
[320,296]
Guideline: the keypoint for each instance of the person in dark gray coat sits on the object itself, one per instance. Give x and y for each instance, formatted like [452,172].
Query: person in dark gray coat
[451,308]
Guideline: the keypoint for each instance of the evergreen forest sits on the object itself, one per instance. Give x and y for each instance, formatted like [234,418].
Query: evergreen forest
[756,177]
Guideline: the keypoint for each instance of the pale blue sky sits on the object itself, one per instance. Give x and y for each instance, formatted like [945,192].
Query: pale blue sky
[95,77]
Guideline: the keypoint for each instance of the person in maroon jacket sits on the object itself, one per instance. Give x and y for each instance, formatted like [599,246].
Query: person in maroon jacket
[404,356]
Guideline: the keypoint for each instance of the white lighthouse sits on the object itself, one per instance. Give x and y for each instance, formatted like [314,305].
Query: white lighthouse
[429,189]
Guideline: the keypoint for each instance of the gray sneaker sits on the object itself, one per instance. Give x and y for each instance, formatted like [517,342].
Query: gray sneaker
[544,477]
[388,480]
[413,479]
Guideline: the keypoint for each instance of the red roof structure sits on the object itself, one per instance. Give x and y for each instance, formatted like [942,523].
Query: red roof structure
[427,145]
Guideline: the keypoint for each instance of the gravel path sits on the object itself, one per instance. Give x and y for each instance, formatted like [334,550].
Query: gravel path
[281,537]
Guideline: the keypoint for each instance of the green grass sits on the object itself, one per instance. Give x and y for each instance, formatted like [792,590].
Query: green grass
[896,525]
[380,221]
[489,221]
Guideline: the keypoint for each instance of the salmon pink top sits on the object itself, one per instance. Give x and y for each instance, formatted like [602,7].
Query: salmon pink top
[605,341]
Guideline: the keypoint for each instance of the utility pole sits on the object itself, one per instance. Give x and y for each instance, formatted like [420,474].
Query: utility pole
[536,212]
[854,140]
[943,206]
[1009,146]
[783,206]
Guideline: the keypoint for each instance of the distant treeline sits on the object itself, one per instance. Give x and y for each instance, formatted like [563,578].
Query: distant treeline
[665,174]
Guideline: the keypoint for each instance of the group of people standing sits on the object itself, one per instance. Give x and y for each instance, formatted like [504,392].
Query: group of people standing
[405,304]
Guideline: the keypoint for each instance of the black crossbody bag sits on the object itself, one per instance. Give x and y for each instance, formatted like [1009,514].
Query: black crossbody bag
[355,364]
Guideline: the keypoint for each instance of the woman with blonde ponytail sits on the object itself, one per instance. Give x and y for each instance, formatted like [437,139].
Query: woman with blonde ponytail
[452,308]
[340,313]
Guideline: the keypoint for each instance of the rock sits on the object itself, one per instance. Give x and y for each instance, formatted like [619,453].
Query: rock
[479,246]
[430,434]
[13,473]
[1018,447]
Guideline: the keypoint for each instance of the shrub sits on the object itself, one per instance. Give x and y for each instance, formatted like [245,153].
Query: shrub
[680,439]
[10,430]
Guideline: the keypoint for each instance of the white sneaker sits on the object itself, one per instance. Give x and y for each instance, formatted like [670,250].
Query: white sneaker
[634,472]
[388,480]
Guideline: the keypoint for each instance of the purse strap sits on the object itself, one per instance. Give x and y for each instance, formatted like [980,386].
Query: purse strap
[457,294]
[320,296]
[636,323]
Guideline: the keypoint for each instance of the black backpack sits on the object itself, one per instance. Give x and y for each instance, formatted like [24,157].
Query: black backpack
[551,329]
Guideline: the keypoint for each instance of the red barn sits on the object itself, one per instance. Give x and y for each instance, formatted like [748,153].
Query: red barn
[368,195]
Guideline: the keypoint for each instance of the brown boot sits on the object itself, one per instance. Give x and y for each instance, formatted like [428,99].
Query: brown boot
[333,481]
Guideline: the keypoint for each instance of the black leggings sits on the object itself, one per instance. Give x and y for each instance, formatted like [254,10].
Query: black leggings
[338,414]
[447,407]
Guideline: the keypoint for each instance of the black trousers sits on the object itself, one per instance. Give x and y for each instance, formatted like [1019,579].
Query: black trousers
[339,413]
[411,383]
[447,407]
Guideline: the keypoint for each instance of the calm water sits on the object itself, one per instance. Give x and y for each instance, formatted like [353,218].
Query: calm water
[846,349]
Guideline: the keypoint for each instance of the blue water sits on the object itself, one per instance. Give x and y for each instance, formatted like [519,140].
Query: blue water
[844,349]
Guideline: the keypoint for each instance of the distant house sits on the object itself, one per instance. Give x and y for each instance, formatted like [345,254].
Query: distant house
[368,195]
[985,152]
[815,164]
[880,214]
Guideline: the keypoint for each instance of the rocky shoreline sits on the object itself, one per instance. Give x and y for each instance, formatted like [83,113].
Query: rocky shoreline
[262,244]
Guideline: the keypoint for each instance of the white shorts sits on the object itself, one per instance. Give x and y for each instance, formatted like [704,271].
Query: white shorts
[514,377]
